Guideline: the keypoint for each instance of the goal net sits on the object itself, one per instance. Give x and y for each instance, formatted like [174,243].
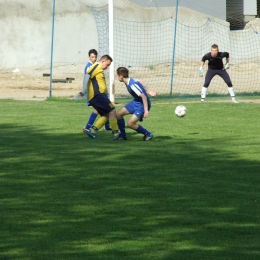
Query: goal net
[162,43]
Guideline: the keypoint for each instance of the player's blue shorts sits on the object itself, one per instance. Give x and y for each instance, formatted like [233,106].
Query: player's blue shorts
[135,108]
[102,104]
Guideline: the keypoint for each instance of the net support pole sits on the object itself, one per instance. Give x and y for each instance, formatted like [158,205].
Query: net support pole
[52,40]
[174,44]
[111,50]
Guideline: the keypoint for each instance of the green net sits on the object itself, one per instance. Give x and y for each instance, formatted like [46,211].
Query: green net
[162,43]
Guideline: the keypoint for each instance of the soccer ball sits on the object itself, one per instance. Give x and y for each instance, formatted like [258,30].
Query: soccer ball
[180,111]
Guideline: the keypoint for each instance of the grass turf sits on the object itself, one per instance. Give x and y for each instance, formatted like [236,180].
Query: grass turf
[190,193]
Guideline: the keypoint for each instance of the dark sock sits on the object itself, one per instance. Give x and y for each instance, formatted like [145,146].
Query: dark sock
[107,126]
[121,126]
[91,120]
[142,130]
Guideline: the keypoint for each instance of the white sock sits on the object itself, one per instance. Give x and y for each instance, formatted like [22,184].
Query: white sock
[204,92]
[231,92]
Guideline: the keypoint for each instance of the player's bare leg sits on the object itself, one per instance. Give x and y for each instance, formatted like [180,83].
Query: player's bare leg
[132,122]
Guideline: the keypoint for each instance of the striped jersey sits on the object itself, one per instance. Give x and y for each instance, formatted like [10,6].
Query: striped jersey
[135,88]
[87,66]
[97,82]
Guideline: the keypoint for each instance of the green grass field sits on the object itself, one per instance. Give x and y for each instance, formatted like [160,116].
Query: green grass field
[193,192]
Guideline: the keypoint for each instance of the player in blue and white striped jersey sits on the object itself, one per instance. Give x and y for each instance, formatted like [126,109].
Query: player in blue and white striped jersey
[139,107]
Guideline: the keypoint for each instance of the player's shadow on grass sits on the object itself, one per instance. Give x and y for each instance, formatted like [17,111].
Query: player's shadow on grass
[65,196]
[162,138]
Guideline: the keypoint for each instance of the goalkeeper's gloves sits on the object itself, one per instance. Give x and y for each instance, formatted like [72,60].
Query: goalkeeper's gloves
[227,66]
[201,71]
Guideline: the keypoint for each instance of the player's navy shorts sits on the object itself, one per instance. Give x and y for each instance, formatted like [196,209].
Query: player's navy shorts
[212,73]
[102,104]
[136,108]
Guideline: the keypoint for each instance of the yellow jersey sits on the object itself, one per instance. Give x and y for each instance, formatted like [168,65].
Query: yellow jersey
[97,82]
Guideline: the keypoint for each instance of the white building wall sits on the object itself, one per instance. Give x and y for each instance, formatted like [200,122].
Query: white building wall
[25,32]
[209,7]
[250,7]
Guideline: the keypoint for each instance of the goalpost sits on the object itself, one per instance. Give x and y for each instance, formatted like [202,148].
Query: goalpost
[52,42]
[111,50]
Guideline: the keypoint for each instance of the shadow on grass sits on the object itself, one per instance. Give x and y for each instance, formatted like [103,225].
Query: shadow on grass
[64,196]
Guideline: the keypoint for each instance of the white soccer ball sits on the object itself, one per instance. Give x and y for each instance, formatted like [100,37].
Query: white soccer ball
[180,111]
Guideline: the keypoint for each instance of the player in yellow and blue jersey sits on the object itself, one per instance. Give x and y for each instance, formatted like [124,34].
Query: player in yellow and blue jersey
[139,107]
[92,59]
[96,90]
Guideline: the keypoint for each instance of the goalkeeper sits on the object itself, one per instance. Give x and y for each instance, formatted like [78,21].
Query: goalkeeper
[216,67]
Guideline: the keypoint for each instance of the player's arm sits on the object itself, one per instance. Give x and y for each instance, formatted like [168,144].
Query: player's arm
[201,67]
[150,92]
[204,58]
[107,93]
[227,63]
[145,103]
[85,84]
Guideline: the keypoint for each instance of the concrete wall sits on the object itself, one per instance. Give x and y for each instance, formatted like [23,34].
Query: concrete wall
[208,7]
[146,44]
[241,11]
[250,10]
[25,28]
[25,32]
[250,7]
[146,36]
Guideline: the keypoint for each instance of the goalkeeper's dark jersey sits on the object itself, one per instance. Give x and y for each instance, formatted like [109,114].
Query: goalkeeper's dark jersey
[215,63]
